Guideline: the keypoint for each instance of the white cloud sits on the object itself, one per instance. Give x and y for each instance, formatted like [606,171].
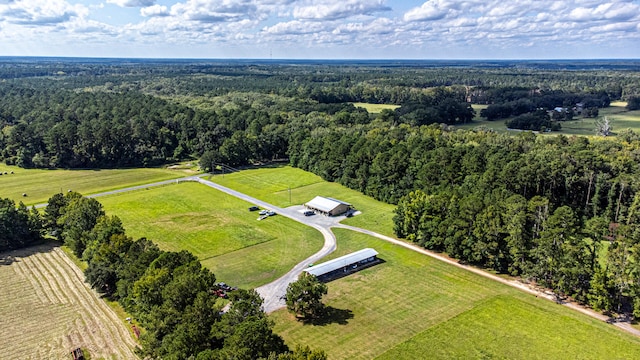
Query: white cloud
[361,26]
[40,12]
[375,28]
[132,3]
[430,10]
[615,27]
[94,28]
[295,27]
[616,11]
[339,9]
[155,10]
[215,12]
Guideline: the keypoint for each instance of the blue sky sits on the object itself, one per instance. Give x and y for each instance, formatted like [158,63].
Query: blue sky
[328,29]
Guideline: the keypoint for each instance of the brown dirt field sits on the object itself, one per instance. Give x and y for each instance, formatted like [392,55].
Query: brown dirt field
[47,310]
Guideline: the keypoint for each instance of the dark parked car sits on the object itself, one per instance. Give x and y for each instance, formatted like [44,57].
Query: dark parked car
[254,208]
[309,213]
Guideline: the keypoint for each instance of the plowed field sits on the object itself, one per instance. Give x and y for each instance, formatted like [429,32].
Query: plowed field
[46,310]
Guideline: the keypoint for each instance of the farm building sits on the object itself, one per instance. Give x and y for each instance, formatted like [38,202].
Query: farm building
[328,206]
[344,265]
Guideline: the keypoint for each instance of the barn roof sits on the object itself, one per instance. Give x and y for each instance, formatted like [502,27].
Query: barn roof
[338,263]
[324,203]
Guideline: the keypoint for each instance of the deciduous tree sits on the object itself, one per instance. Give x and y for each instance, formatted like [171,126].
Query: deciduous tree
[304,296]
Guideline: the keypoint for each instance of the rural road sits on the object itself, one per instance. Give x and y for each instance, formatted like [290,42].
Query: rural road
[274,292]
[134,188]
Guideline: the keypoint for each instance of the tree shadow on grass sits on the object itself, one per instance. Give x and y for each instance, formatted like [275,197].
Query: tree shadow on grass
[332,315]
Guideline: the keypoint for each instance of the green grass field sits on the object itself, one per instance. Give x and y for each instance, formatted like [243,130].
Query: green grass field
[415,307]
[278,185]
[218,229]
[410,306]
[40,184]
[376,108]
[620,119]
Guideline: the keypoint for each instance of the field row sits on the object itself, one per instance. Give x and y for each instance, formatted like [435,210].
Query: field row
[50,310]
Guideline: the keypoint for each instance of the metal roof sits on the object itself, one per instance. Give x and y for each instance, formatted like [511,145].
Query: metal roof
[338,263]
[325,204]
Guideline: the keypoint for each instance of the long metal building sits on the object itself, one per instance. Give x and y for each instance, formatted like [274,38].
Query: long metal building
[344,264]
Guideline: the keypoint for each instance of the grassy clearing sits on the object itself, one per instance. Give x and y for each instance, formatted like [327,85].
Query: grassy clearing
[281,186]
[272,185]
[619,117]
[478,108]
[504,327]
[412,305]
[40,184]
[376,108]
[218,229]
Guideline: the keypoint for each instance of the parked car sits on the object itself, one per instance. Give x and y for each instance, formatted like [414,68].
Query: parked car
[271,213]
[309,213]
[254,208]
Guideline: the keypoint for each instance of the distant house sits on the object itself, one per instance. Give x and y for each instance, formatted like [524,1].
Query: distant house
[344,265]
[328,206]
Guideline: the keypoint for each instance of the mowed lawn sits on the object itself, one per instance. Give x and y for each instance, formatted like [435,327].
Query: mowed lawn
[415,307]
[412,306]
[279,185]
[218,229]
[40,185]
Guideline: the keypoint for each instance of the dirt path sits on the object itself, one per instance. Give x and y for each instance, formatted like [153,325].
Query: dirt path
[47,310]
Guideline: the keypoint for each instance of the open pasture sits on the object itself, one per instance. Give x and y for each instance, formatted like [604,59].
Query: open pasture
[218,229]
[47,310]
[276,185]
[40,184]
[412,307]
[376,108]
[619,117]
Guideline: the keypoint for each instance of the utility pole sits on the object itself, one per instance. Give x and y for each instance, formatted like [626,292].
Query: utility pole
[289,188]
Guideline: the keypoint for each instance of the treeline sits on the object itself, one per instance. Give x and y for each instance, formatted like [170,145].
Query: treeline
[60,128]
[65,129]
[136,113]
[537,110]
[560,211]
[337,81]
[19,226]
[538,120]
[170,294]
[507,102]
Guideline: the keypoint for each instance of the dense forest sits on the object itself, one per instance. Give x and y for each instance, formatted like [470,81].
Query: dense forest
[559,210]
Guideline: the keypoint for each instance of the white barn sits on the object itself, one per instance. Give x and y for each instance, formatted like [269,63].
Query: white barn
[328,206]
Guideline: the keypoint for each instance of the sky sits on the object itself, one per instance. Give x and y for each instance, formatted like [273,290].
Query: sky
[327,29]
